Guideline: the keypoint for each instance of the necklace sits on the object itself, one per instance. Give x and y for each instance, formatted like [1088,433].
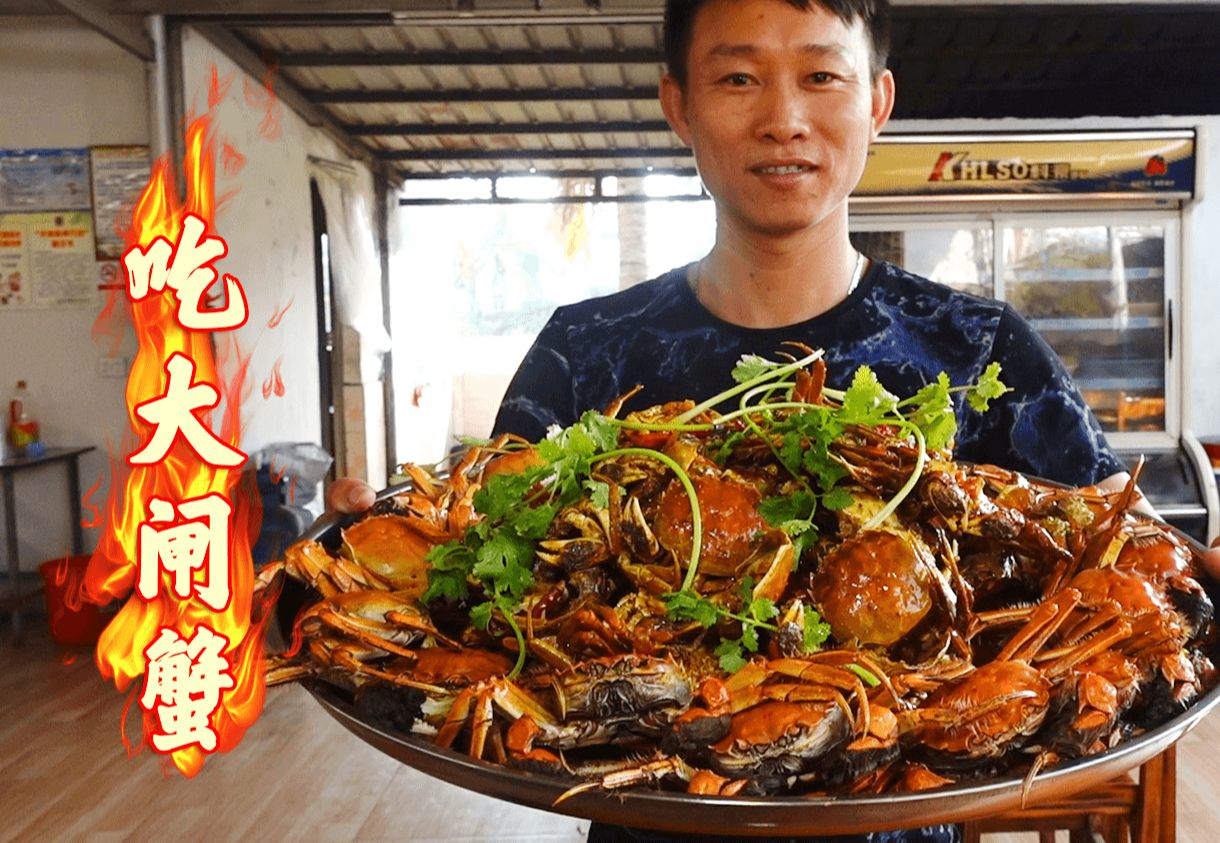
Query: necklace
[857,273]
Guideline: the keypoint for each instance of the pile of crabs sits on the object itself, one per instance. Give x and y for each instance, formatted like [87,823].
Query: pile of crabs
[910,622]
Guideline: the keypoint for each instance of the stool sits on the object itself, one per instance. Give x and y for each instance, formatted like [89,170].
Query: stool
[1142,810]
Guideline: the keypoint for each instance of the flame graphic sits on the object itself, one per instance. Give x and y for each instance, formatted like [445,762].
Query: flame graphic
[275,381]
[218,87]
[266,99]
[91,516]
[232,160]
[274,321]
[180,476]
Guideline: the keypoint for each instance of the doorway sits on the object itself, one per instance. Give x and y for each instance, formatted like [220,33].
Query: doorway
[328,341]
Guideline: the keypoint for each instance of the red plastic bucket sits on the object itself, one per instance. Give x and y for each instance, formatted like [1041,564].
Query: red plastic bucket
[74,621]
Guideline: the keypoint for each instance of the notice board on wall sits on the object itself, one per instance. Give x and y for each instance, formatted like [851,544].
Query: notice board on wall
[61,221]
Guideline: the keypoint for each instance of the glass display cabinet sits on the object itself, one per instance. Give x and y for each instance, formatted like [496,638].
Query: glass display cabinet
[1101,288]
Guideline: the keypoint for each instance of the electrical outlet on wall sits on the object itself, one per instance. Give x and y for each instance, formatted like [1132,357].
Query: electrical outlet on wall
[112,367]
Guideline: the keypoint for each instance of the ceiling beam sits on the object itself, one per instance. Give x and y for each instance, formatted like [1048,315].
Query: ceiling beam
[566,127]
[127,32]
[528,154]
[245,58]
[467,58]
[444,95]
[635,172]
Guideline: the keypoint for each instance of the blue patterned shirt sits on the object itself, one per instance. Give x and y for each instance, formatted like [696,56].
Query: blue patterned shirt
[907,328]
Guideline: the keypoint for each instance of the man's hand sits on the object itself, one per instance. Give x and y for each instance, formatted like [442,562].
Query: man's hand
[1211,560]
[1115,482]
[349,495]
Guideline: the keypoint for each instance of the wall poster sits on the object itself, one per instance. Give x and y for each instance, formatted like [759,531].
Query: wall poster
[119,174]
[47,260]
[44,180]
[47,250]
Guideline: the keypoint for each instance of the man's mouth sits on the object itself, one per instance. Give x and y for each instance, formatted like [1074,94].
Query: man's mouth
[784,169]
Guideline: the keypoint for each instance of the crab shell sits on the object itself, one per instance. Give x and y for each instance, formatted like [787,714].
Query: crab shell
[389,547]
[992,710]
[774,740]
[731,522]
[876,586]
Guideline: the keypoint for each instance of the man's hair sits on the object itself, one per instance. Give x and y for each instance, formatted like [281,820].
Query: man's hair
[875,14]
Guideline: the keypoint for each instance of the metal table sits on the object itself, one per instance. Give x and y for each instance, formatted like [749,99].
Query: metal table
[14,594]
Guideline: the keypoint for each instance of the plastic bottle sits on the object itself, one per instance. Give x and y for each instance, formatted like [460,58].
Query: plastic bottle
[22,428]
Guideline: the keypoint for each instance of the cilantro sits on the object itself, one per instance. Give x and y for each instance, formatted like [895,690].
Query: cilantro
[790,513]
[751,367]
[480,615]
[866,402]
[933,412]
[757,614]
[751,371]
[805,440]
[726,449]
[533,523]
[749,637]
[989,386]
[933,405]
[599,493]
[730,653]
[837,499]
[794,515]
[451,564]
[689,606]
[816,631]
[761,610]
[495,557]
[505,561]
[502,494]
[497,552]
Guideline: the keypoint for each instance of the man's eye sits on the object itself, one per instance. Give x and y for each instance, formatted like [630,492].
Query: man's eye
[736,79]
[821,77]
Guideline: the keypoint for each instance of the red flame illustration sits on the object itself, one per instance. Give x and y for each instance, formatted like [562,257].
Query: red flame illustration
[180,476]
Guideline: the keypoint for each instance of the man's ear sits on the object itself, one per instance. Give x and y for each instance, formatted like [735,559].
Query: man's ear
[673,104]
[883,100]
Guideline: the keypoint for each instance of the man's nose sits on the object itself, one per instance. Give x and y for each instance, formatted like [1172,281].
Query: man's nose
[784,116]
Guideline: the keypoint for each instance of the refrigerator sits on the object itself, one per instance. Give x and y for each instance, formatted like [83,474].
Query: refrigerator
[1081,233]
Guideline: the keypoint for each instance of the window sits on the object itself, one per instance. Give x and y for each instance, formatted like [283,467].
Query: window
[473,282]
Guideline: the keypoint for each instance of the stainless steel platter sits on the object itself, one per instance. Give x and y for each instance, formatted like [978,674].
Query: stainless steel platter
[750,816]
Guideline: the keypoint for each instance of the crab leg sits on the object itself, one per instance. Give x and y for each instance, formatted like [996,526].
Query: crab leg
[1091,623]
[952,718]
[835,677]
[481,724]
[1046,619]
[1100,642]
[481,699]
[631,776]
[458,714]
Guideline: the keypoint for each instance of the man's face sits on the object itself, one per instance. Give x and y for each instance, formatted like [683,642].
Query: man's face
[779,108]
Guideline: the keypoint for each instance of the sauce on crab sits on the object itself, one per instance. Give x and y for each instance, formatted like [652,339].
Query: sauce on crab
[731,522]
[875,587]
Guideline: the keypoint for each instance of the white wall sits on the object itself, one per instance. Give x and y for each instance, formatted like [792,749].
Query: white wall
[269,230]
[63,86]
[1200,308]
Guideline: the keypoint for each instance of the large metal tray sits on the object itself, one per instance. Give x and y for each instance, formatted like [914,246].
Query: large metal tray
[749,816]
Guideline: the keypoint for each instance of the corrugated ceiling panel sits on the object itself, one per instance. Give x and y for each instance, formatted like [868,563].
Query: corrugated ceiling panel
[950,61]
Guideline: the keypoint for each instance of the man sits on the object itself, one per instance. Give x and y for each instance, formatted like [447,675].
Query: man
[779,101]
